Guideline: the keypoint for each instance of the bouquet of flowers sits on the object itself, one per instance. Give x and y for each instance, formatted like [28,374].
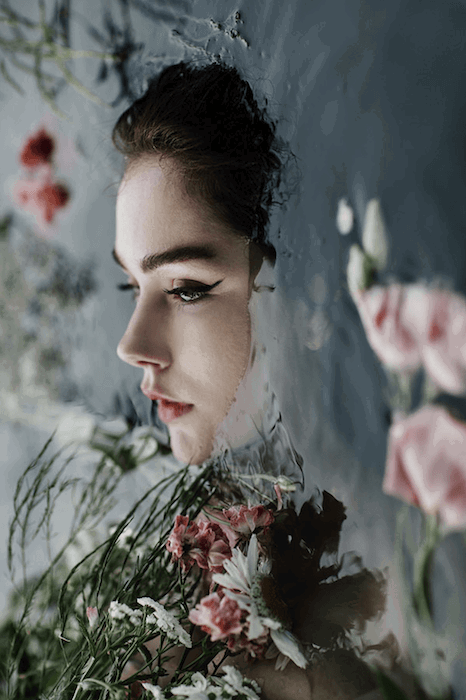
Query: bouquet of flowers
[164,602]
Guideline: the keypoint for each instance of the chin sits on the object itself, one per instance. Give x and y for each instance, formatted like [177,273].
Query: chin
[190,449]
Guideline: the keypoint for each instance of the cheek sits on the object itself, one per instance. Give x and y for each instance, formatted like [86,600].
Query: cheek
[217,352]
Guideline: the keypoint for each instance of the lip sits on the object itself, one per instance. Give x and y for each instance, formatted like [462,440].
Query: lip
[167,409]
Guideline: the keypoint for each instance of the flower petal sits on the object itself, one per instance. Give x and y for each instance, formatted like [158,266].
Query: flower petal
[288,645]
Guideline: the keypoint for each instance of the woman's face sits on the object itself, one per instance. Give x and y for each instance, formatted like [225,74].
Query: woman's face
[190,330]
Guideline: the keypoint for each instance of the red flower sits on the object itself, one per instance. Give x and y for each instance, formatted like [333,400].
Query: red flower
[50,197]
[205,544]
[37,150]
[218,616]
[43,198]
[246,520]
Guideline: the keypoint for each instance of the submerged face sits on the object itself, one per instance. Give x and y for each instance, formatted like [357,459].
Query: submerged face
[190,330]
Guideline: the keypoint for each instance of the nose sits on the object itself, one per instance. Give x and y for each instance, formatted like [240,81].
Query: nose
[146,340]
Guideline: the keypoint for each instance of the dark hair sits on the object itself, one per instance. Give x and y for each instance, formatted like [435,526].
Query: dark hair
[207,120]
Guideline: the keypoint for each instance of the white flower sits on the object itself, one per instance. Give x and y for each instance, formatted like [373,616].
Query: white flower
[241,583]
[166,621]
[288,646]
[374,235]
[156,690]
[345,217]
[199,689]
[242,573]
[356,270]
[120,611]
[234,683]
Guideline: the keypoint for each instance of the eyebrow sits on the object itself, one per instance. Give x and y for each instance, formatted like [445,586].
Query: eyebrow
[172,255]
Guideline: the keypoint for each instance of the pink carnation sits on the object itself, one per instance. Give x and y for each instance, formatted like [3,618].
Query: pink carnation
[426,464]
[222,618]
[205,544]
[181,537]
[213,515]
[246,520]
[219,616]
[254,647]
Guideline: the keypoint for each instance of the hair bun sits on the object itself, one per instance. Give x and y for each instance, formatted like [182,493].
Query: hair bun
[208,121]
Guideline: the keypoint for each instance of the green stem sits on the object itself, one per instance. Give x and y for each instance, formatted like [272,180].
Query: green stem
[422,561]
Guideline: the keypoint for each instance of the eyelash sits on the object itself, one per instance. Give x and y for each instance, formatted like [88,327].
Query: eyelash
[201,291]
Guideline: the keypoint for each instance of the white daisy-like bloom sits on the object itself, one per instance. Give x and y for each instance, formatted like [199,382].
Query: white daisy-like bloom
[199,689]
[234,683]
[120,612]
[155,690]
[166,621]
[241,582]
[242,574]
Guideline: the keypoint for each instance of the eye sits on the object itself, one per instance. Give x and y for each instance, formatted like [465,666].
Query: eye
[192,293]
[129,288]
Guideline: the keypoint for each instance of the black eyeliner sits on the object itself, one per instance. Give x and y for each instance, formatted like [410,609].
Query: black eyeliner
[198,288]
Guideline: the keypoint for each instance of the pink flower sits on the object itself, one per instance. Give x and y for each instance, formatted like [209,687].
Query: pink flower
[217,615]
[254,647]
[382,314]
[438,319]
[426,464]
[213,515]
[246,520]
[205,544]
[410,325]
[181,536]
[37,150]
[213,541]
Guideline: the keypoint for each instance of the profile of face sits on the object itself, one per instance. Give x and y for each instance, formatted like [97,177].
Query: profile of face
[190,332]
